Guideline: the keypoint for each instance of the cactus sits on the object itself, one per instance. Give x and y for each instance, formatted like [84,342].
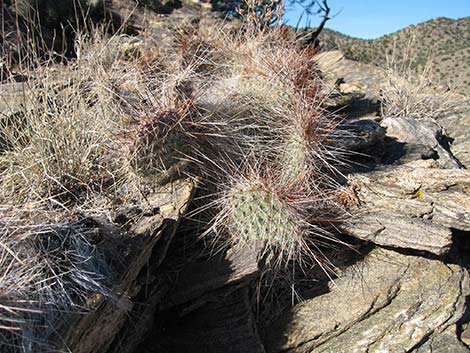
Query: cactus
[308,147]
[160,142]
[258,209]
[259,214]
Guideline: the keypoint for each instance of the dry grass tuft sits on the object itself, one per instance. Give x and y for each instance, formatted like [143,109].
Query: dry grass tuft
[411,92]
[49,271]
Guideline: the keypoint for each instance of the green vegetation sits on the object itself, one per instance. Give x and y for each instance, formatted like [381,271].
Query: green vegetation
[442,41]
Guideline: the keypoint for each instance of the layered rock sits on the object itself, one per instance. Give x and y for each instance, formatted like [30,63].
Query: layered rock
[389,303]
[141,247]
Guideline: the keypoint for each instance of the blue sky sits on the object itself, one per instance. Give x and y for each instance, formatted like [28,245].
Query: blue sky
[374,18]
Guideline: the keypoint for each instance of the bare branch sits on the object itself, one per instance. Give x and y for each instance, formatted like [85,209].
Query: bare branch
[313,36]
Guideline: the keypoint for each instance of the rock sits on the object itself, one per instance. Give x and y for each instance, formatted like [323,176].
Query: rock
[334,66]
[454,115]
[465,336]
[446,342]
[388,303]
[225,324]
[202,4]
[210,295]
[348,88]
[456,122]
[421,133]
[413,131]
[391,230]
[12,98]
[349,85]
[360,135]
[109,321]
[337,100]
[403,153]
[329,60]
[410,206]
[196,279]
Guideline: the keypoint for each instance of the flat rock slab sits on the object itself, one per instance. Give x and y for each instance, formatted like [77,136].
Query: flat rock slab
[410,206]
[388,303]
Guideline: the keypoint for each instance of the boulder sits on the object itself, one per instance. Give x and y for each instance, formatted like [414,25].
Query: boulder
[361,135]
[425,133]
[456,122]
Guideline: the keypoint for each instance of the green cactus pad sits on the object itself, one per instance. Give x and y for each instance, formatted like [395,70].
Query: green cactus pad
[260,215]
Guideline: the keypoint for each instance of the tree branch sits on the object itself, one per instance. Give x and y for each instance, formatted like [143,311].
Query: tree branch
[312,38]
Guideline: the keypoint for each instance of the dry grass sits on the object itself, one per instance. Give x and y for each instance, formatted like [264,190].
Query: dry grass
[411,92]
[64,146]
[49,269]
[61,156]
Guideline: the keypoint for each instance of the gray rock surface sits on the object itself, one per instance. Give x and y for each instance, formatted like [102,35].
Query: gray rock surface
[361,134]
[445,342]
[456,122]
[388,303]
[425,133]
[413,206]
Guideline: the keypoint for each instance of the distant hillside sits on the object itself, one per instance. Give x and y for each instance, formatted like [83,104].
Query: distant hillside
[444,41]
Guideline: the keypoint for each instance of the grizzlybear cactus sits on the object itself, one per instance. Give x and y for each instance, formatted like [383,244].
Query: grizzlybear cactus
[285,219]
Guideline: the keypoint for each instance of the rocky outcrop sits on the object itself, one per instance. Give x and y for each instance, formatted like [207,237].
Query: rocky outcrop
[413,206]
[456,122]
[142,246]
[387,303]
[450,128]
